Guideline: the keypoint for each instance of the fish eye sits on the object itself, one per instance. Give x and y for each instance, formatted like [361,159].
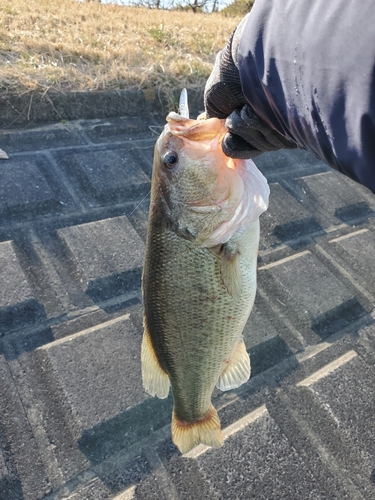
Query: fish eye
[170,159]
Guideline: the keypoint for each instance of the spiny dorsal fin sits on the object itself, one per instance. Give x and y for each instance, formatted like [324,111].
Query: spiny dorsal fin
[155,380]
[237,371]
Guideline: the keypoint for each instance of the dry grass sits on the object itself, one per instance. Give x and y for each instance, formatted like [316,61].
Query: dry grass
[64,45]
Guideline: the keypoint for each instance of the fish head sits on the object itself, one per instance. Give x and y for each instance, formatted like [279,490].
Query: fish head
[196,187]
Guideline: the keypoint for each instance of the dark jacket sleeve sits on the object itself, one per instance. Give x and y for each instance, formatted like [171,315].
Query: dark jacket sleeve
[307,67]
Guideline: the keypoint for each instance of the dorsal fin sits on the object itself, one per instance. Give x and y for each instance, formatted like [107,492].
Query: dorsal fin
[195,130]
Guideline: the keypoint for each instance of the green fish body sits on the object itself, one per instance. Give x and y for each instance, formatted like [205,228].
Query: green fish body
[199,275]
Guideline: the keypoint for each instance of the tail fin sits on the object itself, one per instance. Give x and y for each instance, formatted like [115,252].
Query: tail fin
[187,435]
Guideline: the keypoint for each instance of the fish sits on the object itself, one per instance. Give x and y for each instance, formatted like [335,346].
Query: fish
[199,273]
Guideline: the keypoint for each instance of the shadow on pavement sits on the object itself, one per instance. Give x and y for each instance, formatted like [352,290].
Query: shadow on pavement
[20,315]
[338,317]
[125,428]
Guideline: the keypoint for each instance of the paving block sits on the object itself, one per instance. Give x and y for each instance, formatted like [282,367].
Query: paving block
[47,137]
[25,189]
[307,159]
[274,162]
[340,408]
[367,337]
[108,175]
[49,414]
[285,219]
[139,219]
[148,489]
[18,305]
[122,475]
[93,490]
[334,198]
[258,328]
[120,129]
[348,377]
[355,252]
[256,462]
[23,475]
[145,152]
[10,486]
[3,468]
[117,480]
[311,297]
[99,371]
[108,255]
[266,348]
[189,480]
[74,418]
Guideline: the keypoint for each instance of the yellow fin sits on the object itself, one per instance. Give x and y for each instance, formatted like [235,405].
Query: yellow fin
[230,269]
[155,380]
[237,371]
[187,435]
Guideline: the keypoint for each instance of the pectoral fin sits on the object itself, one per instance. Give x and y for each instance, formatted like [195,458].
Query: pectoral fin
[237,371]
[230,269]
[155,380]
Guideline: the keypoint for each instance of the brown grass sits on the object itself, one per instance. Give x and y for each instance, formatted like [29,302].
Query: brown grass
[64,45]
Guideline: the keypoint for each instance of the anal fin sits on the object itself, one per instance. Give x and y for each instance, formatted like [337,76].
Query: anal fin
[206,430]
[237,371]
[155,379]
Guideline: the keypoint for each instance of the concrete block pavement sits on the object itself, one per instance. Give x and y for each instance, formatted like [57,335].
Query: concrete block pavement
[75,422]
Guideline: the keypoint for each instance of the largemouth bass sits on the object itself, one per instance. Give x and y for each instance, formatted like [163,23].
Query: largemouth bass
[199,275]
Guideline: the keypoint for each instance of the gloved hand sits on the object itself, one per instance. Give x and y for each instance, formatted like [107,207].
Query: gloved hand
[247,135]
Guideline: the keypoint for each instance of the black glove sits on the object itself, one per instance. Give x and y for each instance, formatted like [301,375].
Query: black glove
[247,135]
[223,91]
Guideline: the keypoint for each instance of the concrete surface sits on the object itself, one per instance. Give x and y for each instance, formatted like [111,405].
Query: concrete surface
[74,420]
[51,105]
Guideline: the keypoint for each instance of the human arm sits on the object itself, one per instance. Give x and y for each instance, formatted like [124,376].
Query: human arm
[306,71]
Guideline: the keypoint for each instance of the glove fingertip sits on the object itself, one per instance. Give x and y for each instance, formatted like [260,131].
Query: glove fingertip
[227,146]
